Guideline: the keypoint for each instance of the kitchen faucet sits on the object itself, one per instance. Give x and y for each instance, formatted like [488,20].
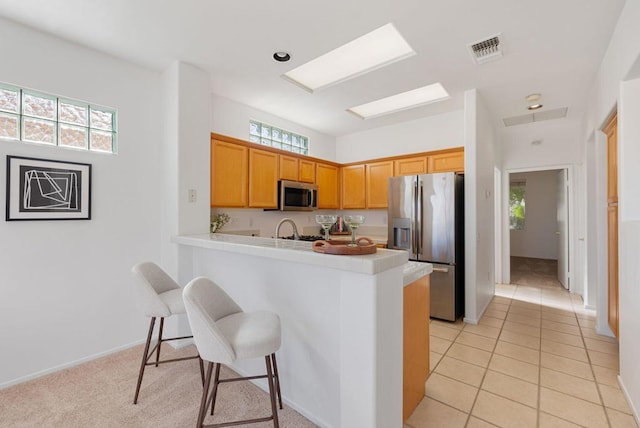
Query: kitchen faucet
[287,220]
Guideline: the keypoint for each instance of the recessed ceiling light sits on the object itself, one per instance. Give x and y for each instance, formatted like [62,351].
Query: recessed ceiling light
[532,98]
[534,107]
[376,49]
[403,101]
[281,56]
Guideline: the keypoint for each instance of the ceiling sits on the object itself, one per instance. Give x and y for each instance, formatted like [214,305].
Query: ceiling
[551,47]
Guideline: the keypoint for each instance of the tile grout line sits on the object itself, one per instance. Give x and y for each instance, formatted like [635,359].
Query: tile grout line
[489,363]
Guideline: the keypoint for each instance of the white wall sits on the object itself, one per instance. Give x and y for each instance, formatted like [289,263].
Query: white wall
[538,239]
[623,52]
[629,233]
[66,285]
[232,119]
[481,158]
[423,135]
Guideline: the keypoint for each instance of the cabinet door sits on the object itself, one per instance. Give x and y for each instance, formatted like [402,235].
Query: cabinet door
[307,171]
[378,183]
[327,181]
[229,172]
[288,168]
[263,178]
[447,162]
[410,166]
[353,187]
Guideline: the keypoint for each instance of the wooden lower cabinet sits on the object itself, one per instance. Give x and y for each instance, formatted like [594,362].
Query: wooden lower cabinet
[327,180]
[415,368]
[229,174]
[447,162]
[263,179]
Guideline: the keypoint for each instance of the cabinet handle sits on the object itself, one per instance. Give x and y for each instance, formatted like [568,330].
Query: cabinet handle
[441,269]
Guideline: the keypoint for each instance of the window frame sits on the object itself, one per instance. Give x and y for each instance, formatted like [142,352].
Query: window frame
[260,137]
[23,115]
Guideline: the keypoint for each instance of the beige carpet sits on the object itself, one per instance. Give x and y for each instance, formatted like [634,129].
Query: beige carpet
[537,272]
[100,394]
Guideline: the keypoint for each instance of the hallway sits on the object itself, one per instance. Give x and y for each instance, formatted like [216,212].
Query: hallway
[534,360]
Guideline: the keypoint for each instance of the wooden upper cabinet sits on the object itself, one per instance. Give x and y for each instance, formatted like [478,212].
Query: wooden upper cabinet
[353,186]
[263,178]
[410,166]
[446,162]
[327,181]
[307,171]
[289,168]
[377,178]
[229,173]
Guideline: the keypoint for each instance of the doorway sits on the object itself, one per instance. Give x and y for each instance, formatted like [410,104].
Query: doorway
[537,227]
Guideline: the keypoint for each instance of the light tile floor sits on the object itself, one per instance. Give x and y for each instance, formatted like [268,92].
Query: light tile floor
[533,360]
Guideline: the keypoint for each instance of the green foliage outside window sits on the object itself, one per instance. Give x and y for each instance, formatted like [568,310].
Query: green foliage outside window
[516,205]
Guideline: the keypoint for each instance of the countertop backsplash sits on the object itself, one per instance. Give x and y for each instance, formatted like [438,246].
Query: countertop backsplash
[248,221]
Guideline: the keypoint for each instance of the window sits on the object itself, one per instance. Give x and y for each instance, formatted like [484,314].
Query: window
[268,135]
[37,117]
[516,205]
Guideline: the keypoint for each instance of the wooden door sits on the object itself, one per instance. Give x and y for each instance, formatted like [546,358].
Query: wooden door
[377,179]
[353,187]
[263,178]
[612,221]
[327,181]
[288,168]
[229,172]
[410,166]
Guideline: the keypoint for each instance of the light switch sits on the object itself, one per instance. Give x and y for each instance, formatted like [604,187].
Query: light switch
[192,195]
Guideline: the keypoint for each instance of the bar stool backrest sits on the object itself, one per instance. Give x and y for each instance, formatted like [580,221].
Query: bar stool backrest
[152,281]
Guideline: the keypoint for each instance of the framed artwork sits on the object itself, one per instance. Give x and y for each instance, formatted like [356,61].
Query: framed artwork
[41,189]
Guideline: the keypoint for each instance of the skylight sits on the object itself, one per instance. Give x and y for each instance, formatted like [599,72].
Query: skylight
[403,101]
[376,49]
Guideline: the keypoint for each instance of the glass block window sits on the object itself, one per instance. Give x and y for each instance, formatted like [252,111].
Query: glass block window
[41,118]
[267,135]
[516,205]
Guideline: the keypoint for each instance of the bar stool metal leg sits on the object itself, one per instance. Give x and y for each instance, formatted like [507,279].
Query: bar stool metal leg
[159,341]
[205,393]
[144,359]
[214,392]
[272,392]
[277,381]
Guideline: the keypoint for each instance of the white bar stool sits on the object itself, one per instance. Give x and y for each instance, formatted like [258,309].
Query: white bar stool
[224,333]
[158,296]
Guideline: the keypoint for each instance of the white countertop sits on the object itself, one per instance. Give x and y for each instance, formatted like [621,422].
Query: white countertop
[298,251]
[413,271]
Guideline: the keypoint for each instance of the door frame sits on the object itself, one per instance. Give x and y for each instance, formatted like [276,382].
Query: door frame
[571,222]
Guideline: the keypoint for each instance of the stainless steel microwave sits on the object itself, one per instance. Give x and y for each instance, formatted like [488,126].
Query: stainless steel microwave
[297,196]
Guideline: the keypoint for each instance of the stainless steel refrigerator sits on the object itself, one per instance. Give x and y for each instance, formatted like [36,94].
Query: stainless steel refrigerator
[426,218]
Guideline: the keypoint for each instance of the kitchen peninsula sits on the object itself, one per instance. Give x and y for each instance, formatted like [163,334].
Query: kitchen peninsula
[341,358]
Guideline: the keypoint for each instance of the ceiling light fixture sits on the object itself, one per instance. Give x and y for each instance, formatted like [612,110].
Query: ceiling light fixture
[532,100]
[373,50]
[281,56]
[403,101]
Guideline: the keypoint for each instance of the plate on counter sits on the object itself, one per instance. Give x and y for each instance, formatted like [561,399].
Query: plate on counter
[340,247]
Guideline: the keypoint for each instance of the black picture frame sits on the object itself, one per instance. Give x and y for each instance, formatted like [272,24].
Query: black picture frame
[45,189]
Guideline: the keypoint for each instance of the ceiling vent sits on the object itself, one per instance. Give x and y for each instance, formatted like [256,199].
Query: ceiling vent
[486,50]
[540,116]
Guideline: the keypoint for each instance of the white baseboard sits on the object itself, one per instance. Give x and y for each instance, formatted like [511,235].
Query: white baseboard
[634,411]
[470,321]
[67,365]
